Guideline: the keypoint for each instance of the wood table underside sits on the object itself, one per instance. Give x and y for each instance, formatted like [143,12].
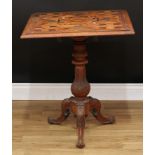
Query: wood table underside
[78,25]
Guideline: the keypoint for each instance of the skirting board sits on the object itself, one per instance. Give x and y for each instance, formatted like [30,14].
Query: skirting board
[55,91]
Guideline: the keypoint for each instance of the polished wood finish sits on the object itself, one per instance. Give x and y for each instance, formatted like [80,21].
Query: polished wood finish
[78,23]
[32,135]
[81,104]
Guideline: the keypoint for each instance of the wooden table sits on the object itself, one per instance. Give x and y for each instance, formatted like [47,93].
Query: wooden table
[79,25]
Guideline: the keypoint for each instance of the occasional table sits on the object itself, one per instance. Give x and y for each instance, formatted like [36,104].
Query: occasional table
[79,25]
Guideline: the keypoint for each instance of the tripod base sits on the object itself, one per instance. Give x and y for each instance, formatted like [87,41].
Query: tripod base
[81,107]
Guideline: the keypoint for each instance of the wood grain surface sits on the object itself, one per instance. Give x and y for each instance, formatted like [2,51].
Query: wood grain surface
[32,135]
[78,23]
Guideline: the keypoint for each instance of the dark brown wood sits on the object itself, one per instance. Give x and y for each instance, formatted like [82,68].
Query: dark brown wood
[95,107]
[65,111]
[80,104]
[78,23]
[80,87]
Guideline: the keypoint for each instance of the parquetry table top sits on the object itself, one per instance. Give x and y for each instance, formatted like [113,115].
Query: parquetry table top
[78,23]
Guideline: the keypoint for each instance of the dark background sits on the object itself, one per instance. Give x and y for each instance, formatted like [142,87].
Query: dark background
[111,59]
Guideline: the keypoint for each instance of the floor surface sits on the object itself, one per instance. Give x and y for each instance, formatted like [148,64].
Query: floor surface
[32,135]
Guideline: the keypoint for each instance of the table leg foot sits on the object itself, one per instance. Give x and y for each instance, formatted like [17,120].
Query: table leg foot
[65,111]
[80,131]
[95,107]
[79,145]
[80,122]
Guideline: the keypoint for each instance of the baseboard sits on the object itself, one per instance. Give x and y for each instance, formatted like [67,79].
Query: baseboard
[54,91]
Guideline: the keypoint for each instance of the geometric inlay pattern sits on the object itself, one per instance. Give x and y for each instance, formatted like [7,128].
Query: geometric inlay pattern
[78,23]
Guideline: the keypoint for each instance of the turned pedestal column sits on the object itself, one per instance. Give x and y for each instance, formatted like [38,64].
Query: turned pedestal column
[80,104]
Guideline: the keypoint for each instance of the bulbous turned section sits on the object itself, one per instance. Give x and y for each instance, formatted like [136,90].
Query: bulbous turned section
[80,86]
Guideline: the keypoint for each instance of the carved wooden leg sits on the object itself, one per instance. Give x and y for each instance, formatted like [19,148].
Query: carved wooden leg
[65,108]
[95,107]
[80,122]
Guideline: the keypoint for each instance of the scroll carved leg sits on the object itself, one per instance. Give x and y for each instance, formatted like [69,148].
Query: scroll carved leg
[95,107]
[80,122]
[65,108]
